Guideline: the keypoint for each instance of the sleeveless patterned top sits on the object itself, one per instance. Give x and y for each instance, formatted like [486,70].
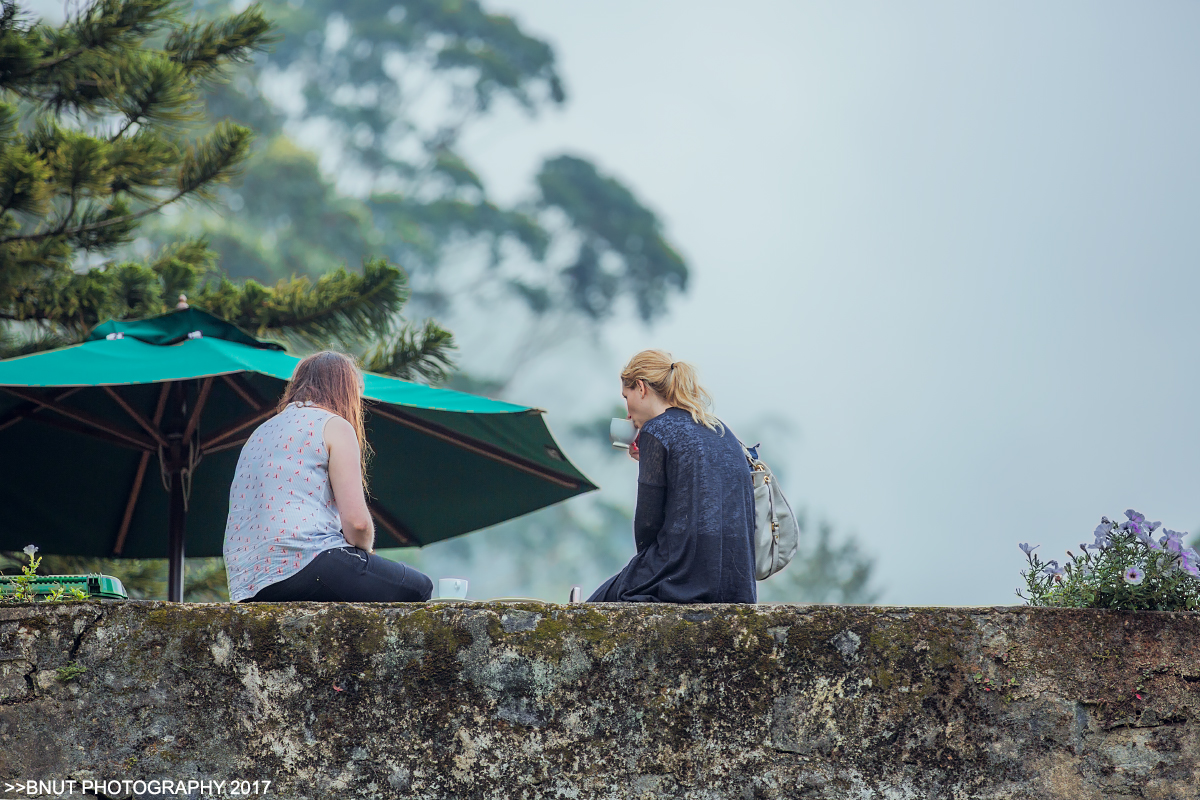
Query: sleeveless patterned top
[281,507]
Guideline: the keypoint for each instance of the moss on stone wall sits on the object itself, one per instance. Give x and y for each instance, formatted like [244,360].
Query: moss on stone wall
[483,700]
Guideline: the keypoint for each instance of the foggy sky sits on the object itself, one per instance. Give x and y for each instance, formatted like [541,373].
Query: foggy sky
[953,244]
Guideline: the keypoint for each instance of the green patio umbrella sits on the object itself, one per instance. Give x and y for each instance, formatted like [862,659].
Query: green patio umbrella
[125,445]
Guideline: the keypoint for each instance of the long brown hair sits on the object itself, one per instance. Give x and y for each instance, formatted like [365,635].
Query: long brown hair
[332,381]
[675,382]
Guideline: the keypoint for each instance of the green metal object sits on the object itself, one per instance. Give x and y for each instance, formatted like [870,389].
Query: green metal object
[125,445]
[94,585]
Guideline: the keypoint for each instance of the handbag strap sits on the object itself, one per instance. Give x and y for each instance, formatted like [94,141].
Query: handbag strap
[751,452]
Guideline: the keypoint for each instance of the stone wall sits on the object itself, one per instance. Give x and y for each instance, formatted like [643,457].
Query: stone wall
[478,700]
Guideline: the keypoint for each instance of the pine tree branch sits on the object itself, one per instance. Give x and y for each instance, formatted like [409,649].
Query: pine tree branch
[53,62]
[101,33]
[211,160]
[67,217]
[129,122]
[344,308]
[203,50]
[340,307]
[413,353]
[94,226]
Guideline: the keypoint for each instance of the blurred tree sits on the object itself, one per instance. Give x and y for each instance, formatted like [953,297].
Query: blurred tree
[827,568]
[540,555]
[93,137]
[822,571]
[102,124]
[391,87]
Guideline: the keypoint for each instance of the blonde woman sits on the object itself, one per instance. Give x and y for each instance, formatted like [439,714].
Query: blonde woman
[298,525]
[694,523]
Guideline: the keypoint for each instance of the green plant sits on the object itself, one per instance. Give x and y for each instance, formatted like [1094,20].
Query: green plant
[23,584]
[1125,568]
[69,673]
[23,591]
[987,684]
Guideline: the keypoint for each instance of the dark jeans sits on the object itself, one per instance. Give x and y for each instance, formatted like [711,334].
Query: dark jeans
[349,574]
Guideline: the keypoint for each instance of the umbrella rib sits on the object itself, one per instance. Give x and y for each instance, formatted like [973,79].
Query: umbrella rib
[18,413]
[94,433]
[393,526]
[477,447]
[162,403]
[140,477]
[141,442]
[138,418]
[205,388]
[222,447]
[244,391]
[131,504]
[236,427]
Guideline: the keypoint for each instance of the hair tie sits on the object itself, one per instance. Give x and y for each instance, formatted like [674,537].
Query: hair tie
[673,363]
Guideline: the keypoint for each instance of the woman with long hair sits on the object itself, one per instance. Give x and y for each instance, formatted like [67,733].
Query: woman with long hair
[694,523]
[298,526]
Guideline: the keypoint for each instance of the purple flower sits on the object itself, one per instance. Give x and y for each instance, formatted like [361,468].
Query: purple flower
[1189,561]
[1052,568]
[1136,521]
[1148,540]
[1154,526]
[1102,533]
[1028,549]
[1134,576]
[1173,541]
[1084,547]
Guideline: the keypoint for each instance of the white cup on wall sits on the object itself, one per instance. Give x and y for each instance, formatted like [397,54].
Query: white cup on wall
[621,432]
[455,588]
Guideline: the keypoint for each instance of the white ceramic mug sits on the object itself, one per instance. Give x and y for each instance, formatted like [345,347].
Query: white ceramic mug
[621,432]
[452,587]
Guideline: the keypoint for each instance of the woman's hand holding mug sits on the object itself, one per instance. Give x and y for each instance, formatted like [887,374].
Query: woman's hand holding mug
[623,434]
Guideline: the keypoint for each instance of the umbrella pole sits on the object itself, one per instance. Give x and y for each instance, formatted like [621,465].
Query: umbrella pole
[177,520]
[177,511]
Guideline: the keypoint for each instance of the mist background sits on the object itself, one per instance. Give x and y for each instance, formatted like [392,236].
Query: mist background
[952,246]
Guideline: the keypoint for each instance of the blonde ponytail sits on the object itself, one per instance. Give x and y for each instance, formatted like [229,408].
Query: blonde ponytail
[675,382]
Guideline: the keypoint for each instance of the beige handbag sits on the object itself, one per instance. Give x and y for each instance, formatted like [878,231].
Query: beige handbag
[776,530]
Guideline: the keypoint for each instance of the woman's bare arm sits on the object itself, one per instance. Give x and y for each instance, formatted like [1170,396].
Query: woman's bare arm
[345,478]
